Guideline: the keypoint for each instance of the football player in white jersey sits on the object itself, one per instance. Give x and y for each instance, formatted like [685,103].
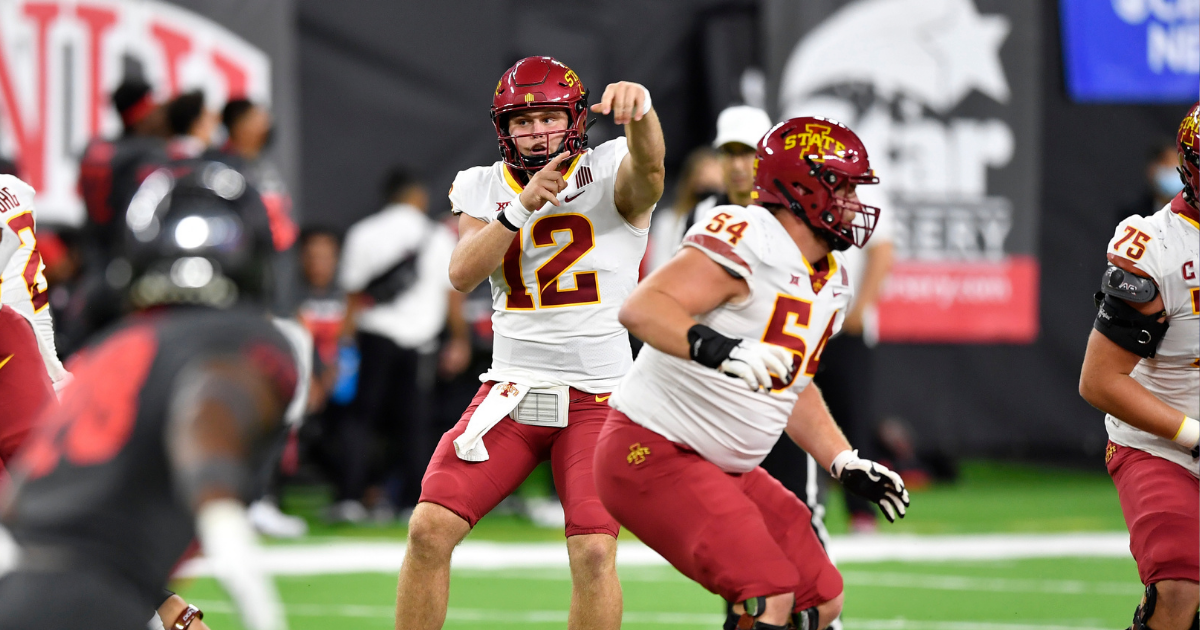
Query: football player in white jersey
[734,327]
[1142,368]
[560,230]
[30,371]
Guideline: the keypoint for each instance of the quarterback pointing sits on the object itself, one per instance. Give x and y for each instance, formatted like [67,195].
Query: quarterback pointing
[734,327]
[1142,368]
[559,229]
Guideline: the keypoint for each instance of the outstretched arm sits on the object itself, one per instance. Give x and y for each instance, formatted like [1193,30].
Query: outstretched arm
[640,177]
[220,408]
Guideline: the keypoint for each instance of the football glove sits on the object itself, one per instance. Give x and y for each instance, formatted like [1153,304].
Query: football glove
[752,361]
[873,481]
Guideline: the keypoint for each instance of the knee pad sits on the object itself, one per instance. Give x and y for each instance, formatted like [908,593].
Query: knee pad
[748,620]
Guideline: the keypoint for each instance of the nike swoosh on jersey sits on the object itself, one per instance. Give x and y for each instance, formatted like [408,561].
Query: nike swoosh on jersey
[6,360]
[570,198]
[598,397]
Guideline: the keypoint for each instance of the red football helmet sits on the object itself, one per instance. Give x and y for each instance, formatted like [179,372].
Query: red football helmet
[538,83]
[798,165]
[1187,142]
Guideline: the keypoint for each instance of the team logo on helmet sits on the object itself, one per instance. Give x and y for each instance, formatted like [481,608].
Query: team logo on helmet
[814,142]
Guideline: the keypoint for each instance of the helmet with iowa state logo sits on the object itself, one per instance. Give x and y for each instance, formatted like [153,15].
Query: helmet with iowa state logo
[799,164]
[1187,142]
[540,83]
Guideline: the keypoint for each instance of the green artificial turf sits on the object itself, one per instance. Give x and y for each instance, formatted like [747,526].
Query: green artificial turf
[1009,595]
[1043,594]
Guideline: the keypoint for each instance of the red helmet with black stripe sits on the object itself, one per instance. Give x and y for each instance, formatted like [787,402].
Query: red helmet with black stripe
[1187,142]
[799,164]
[540,83]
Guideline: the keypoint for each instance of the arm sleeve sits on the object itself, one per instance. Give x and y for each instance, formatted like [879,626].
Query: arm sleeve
[734,250]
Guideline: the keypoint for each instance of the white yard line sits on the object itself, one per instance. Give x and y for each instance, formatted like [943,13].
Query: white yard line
[516,617]
[385,557]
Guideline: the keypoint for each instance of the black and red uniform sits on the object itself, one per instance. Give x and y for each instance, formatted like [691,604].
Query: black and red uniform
[96,507]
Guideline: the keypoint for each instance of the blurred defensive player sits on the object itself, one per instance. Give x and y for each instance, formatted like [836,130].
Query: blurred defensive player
[30,371]
[1142,368]
[559,229]
[157,440]
[734,328]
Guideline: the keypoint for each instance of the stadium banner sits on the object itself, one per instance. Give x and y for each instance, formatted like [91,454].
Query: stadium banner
[1141,51]
[945,95]
[61,59]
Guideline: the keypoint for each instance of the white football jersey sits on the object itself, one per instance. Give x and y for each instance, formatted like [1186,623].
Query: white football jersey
[558,291]
[1166,246]
[792,304]
[22,281]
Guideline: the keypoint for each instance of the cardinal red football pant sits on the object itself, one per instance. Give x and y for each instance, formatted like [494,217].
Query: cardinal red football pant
[25,386]
[1161,503]
[738,535]
[472,489]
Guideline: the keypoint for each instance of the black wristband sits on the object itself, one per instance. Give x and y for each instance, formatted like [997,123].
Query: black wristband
[506,223]
[709,347]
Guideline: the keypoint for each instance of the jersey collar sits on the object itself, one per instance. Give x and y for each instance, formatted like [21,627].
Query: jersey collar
[820,273]
[516,185]
[1186,210]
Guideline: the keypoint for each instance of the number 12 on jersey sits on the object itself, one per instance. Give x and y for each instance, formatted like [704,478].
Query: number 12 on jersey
[794,312]
[550,295]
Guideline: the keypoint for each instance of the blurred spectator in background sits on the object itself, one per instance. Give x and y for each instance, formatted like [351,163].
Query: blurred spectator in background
[739,128]
[700,178]
[322,302]
[250,130]
[399,299]
[110,172]
[1162,183]
[192,126]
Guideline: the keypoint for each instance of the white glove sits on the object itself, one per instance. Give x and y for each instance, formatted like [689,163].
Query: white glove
[231,548]
[872,481]
[755,362]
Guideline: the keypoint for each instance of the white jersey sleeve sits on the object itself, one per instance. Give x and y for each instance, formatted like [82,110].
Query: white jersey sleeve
[22,273]
[1137,240]
[469,193]
[1166,247]
[730,236]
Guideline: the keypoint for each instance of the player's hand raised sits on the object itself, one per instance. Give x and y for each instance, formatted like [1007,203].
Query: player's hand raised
[624,100]
[545,185]
[755,362]
[872,481]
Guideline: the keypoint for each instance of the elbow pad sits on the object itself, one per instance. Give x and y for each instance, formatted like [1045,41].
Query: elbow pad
[1128,328]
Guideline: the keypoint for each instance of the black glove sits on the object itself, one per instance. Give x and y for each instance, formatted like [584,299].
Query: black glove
[872,481]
